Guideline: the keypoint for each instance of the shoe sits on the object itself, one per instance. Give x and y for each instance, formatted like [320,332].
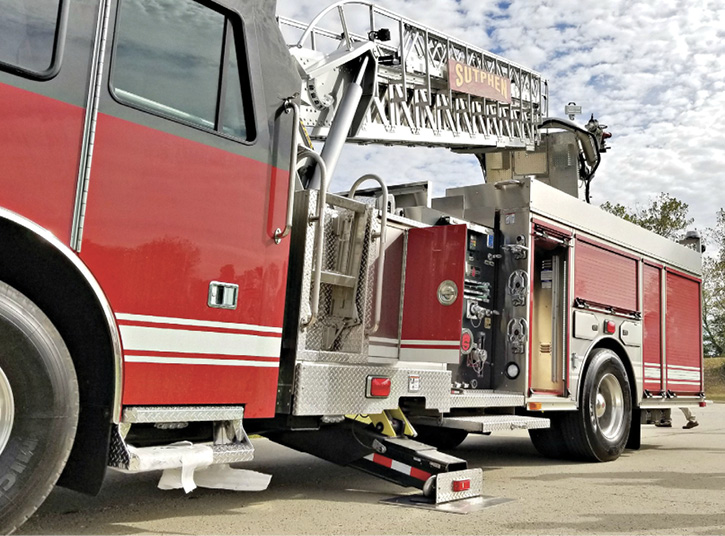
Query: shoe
[664,424]
[691,424]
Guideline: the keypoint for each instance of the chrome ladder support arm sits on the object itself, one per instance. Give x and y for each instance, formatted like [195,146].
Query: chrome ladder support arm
[381,249]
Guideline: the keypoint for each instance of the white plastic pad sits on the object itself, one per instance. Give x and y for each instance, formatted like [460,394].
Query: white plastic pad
[220,476]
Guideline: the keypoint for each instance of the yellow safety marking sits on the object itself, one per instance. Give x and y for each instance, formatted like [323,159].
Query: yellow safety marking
[307,136]
[359,418]
[385,419]
[407,427]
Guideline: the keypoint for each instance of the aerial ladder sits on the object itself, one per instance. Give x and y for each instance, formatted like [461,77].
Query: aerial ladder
[395,81]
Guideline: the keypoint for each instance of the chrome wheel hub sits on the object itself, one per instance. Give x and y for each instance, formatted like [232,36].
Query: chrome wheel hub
[609,406]
[7,410]
[601,407]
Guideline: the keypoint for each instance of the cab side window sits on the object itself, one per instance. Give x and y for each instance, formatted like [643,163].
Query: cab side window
[181,59]
[29,33]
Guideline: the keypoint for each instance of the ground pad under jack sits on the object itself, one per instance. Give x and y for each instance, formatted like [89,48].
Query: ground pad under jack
[463,506]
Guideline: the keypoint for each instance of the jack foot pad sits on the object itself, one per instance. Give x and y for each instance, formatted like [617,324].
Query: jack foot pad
[462,506]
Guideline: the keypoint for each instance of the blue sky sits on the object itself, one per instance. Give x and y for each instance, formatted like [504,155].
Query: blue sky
[654,72]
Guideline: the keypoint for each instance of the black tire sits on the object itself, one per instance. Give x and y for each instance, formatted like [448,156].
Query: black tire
[37,369]
[550,441]
[439,437]
[599,430]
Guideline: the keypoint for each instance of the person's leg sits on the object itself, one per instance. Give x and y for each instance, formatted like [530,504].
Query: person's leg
[691,419]
[664,423]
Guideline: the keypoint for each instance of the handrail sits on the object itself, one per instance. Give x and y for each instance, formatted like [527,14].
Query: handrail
[381,249]
[319,236]
[279,234]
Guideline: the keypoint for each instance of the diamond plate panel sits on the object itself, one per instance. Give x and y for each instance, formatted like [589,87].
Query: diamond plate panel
[154,414]
[495,423]
[486,398]
[313,396]
[233,452]
[118,455]
[444,485]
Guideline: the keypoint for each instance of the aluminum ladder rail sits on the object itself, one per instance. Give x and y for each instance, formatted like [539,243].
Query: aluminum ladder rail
[412,103]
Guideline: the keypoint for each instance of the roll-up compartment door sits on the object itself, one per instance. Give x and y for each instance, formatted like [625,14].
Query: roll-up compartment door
[652,337]
[683,334]
[605,277]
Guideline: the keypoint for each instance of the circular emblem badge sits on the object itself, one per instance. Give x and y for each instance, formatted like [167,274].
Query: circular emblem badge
[466,342]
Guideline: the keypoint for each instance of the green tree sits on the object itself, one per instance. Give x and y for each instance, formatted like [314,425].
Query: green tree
[713,290]
[665,215]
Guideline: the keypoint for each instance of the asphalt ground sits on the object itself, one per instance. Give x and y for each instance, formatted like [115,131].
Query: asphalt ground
[674,485]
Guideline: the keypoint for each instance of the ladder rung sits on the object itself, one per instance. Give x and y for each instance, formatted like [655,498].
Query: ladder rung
[337,279]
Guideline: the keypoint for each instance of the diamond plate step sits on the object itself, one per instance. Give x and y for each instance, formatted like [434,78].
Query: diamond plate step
[155,414]
[486,398]
[487,423]
[141,459]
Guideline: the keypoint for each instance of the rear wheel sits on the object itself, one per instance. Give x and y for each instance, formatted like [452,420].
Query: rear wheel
[439,437]
[550,442]
[38,407]
[599,430]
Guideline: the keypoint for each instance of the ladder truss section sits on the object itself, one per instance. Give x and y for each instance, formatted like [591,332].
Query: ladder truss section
[415,100]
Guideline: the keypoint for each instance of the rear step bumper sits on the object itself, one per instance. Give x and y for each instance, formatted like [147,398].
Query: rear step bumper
[231,443]
[141,459]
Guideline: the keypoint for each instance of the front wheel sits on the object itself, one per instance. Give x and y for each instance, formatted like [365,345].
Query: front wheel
[38,407]
[599,430]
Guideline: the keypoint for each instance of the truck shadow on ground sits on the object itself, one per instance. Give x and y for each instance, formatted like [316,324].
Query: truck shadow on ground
[660,523]
[660,479]
[127,502]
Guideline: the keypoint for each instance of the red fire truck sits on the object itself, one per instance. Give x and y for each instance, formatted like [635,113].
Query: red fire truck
[176,274]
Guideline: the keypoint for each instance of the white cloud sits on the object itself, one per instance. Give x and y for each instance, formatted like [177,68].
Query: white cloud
[653,71]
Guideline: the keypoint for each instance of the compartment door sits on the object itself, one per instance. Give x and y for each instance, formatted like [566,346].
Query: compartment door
[683,334]
[433,300]
[652,336]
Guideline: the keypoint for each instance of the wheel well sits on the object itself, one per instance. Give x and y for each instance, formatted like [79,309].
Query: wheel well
[42,272]
[617,348]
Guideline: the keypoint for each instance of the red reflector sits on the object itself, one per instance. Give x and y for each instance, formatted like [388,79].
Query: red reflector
[461,485]
[609,327]
[703,404]
[378,387]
